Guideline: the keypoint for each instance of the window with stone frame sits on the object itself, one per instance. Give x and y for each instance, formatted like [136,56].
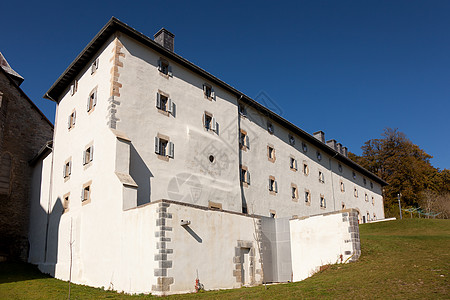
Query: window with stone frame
[321,177]
[71,120]
[92,100]
[164,147]
[88,155]
[209,122]
[208,91]
[94,66]
[74,87]
[271,153]
[245,176]
[292,163]
[164,103]
[86,193]
[294,192]
[164,67]
[307,197]
[305,169]
[323,203]
[273,185]
[244,140]
[291,140]
[67,169]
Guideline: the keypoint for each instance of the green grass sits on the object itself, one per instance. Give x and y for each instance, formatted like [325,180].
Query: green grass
[408,259]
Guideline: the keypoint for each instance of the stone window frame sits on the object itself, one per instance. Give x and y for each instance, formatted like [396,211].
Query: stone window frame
[88,186]
[67,169]
[208,92]
[212,122]
[168,152]
[66,202]
[244,142]
[321,176]
[270,127]
[305,169]
[323,202]
[293,165]
[342,186]
[169,104]
[273,185]
[294,192]
[88,159]
[71,120]
[307,197]
[164,68]
[245,181]
[214,205]
[92,101]
[273,158]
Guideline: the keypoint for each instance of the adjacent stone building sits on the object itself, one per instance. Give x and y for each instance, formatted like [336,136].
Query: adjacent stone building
[23,131]
[162,173]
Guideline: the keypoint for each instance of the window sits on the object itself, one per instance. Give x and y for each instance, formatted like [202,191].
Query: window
[164,67]
[305,169]
[342,186]
[366,197]
[340,168]
[291,140]
[270,127]
[164,147]
[71,120]
[273,214]
[209,122]
[88,155]
[343,205]
[323,203]
[273,186]
[307,197]
[74,87]
[355,193]
[319,156]
[368,217]
[164,103]
[242,109]
[86,193]
[293,163]
[208,91]
[94,66]
[67,170]
[365,181]
[304,147]
[294,192]
[374,216]
[245,176]
[5,173]
[373,200]
[321,177]
[65,203]
[271,153]
[243,140]
[92,100]
[354,175]
[371,185]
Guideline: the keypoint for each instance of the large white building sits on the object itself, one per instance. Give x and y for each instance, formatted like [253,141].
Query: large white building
[161,171]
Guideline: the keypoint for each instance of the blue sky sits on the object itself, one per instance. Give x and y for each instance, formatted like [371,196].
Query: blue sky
[349,68]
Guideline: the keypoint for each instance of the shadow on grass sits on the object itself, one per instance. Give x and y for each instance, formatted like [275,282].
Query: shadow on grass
[19,271]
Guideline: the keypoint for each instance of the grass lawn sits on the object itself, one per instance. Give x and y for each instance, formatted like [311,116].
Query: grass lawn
[408,259]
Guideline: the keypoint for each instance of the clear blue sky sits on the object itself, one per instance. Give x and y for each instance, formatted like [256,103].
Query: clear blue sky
[349,68]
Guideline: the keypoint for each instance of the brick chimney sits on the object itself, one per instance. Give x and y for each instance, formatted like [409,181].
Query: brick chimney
[320,135]
[165,38]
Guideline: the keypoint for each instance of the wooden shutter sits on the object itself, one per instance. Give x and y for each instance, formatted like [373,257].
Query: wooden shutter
[158,100]
[212,93]
[74,117]
[156,145]
[247,142]
[94,102]
[270,185]
[84,157]
[88,102]
[295,164]
[171,149]
[248,177]
[91,156]
[70,167]
[213,124]
[64,171]
[69,122]
[170,106]
[169,71]
[276,186]
[159,65]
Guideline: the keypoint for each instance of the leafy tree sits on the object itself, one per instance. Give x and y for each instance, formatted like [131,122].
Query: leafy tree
[406,168]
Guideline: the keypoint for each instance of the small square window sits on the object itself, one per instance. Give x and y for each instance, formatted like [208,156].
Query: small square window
[340,168]
[164,103]
[209,122]
[272,215]
[291,140]
[94,66]
[164,147]
[307,197]
[92,100]
[86,193]
[319,156]
[88,155]
[67,169]
[271,153]
[354,175]
[270,127]
[71,120]
[293,163]
[243,140]
[321,177]
[323,203]
[208,91]
[294,192]
[305,169]
[273,186]
[304,147]
[164,67]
